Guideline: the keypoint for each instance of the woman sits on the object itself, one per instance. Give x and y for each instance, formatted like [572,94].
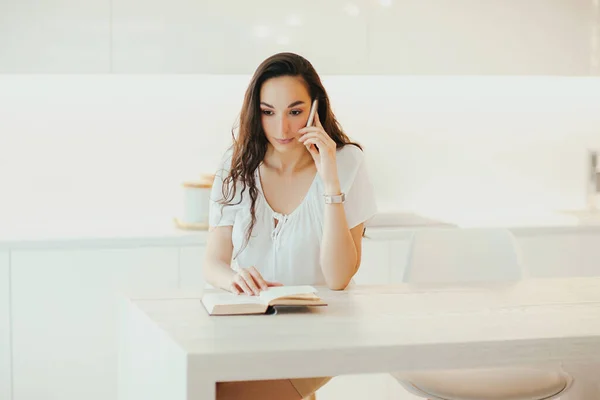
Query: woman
[289,204]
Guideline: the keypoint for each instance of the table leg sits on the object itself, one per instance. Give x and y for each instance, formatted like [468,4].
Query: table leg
[151,365]
[201,389]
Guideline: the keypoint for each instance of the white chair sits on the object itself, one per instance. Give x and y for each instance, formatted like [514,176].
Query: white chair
[474,255]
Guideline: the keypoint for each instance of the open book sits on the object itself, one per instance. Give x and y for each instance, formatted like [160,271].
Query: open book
[289,296]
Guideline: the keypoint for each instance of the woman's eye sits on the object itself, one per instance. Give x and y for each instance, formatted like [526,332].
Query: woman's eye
[296,112]
[267,112]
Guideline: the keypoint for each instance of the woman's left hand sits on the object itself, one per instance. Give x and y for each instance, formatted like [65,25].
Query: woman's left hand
[325,156]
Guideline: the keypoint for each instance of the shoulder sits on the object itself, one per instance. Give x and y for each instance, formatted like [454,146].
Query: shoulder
[225,162]
[349,160]
[350,155]
[221,174]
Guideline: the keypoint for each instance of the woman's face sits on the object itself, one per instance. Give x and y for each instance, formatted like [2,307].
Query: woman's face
[284,107]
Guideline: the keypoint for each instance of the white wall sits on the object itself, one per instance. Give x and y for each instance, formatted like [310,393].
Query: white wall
[121,145]
[441,94]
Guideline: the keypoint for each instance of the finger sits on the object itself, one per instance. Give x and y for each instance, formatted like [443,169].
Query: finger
[244,286]
[308,129]
[313,151]
[258,278]
[317,135]
[241,282]
[317,142]
[271,284]
[250,281]
[234,289]
[320,133]
[317,120]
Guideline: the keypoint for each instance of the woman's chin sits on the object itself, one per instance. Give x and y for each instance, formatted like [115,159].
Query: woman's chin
[286,146]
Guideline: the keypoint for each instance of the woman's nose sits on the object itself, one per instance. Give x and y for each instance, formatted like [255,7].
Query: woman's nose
[284,126]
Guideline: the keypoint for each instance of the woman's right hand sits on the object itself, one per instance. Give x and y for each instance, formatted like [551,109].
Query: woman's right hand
[250,282]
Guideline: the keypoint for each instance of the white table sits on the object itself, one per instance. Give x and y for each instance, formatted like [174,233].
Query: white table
[171,349]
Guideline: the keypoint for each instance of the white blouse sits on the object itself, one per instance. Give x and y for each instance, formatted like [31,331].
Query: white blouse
[288,252]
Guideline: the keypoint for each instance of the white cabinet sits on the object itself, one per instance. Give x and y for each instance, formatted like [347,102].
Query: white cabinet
[55,36]
[156,36]
[64,316]
[190,267]
[5,373]
[561,255]
[474,37]
[185,36]
[411,37]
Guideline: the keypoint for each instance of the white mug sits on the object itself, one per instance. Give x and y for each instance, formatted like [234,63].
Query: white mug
[196,200]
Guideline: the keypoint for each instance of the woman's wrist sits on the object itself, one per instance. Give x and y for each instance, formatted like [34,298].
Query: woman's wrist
[228,278]
[222,276]
[333,188]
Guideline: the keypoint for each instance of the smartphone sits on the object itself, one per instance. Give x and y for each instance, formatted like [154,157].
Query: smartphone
[311,116]
[313,111]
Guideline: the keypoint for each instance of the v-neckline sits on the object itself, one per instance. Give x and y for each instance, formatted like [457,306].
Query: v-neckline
[295,210]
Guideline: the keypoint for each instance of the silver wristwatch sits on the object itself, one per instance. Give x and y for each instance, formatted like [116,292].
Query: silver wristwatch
[335,198]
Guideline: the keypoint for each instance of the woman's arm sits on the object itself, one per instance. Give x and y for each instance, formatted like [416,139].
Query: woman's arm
[217,269]
[340,246]
[217,259]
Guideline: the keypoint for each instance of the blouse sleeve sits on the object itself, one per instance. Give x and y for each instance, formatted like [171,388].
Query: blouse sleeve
[360,204]
[221,214]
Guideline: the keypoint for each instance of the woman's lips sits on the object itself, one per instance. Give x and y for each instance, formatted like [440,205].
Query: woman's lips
[284,141]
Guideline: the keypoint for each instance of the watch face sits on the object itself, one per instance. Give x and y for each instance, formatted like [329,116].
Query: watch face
[338,198]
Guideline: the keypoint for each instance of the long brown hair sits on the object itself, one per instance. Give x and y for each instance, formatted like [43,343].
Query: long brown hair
[250,146]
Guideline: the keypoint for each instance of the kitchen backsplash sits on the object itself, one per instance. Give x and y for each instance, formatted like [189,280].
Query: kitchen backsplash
[432,143]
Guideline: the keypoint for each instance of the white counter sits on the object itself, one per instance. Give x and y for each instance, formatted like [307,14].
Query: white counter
[78,264]
[72,230]
[99,232]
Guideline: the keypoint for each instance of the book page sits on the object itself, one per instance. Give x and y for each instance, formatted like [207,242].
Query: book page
[276,292]
[220,299]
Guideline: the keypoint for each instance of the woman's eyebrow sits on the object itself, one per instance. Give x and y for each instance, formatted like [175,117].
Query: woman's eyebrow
[290,106]
[295,103]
